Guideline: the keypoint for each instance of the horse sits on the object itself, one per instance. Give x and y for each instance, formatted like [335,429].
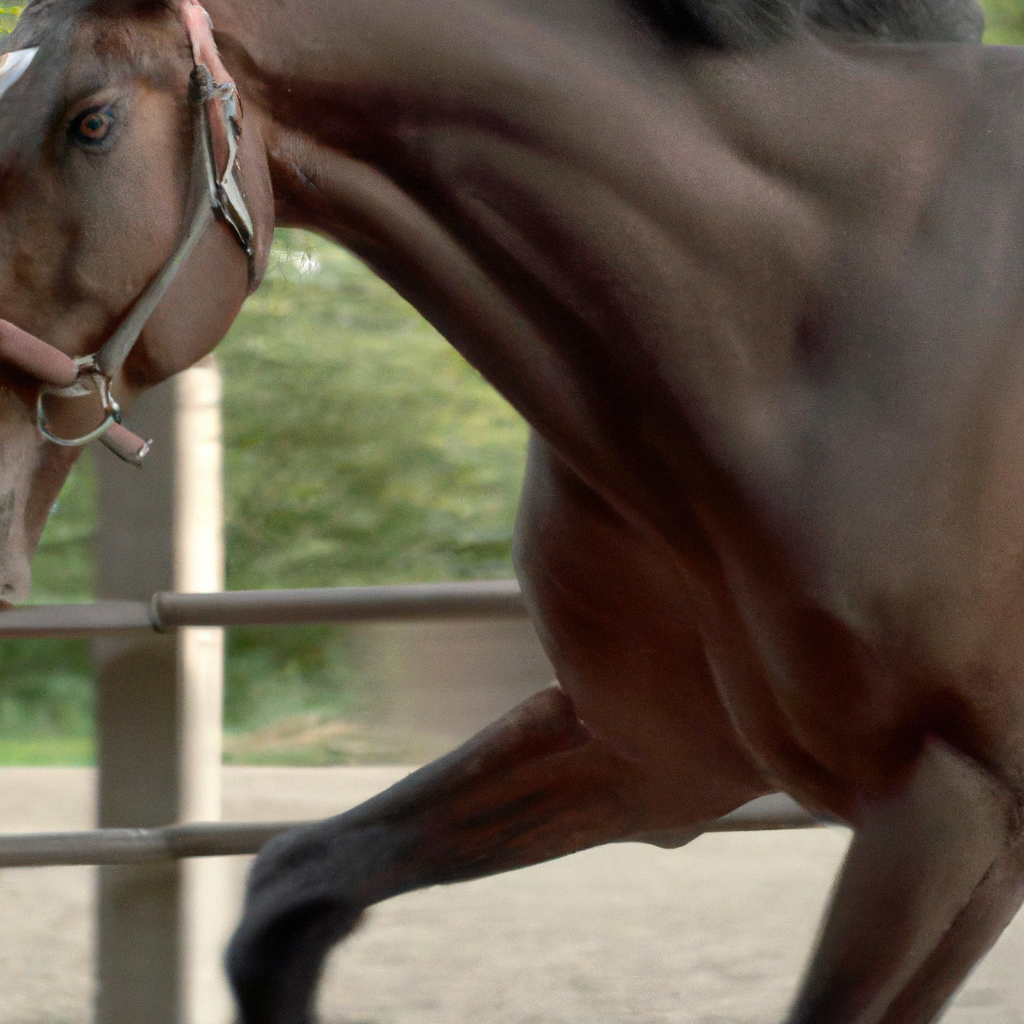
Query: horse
[752,272]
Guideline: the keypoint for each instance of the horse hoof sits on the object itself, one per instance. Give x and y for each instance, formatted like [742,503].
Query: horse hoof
[274,971]
[276,956]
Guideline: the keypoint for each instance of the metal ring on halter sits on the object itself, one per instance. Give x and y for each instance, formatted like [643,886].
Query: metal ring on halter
[111,410]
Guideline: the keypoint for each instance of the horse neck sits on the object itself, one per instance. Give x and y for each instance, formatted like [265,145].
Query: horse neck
[377,115]
[347,73]
[496,161]
[558,196]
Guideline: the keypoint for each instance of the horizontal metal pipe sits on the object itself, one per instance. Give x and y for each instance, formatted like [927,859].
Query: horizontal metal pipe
[168,610]
[136,845]
[75,620]
[220,839]
[483,598]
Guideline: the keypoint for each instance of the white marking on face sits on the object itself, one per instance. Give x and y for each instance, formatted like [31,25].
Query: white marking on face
[13,65]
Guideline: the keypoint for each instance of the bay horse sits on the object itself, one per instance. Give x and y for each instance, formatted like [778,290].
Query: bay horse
[752,271]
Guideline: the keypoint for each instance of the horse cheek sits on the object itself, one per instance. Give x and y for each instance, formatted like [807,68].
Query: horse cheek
[196,312]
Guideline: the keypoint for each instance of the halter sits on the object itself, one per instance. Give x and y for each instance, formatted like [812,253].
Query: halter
[214,190]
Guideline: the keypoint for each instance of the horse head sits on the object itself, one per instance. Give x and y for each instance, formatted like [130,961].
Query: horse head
[120,139]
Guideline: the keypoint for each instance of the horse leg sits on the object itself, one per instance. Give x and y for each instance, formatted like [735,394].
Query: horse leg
[976,928]
[533,786]
[932,877]
[657,758]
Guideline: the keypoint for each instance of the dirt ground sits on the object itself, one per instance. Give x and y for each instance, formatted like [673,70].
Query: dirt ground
[712,933]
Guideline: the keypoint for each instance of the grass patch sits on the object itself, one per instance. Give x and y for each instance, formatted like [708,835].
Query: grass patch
[48,751]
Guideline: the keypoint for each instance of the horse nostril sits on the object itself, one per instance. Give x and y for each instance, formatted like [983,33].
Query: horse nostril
[15,579]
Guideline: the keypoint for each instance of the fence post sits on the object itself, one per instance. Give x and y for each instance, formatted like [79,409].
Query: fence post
[158,708]
[199,567]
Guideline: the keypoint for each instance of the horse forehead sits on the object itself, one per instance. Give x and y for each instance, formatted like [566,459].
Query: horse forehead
[69,60]
[32,83]
[117,52]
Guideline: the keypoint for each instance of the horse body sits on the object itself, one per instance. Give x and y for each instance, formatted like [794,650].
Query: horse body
[734,320]
[760,304]
[764,542]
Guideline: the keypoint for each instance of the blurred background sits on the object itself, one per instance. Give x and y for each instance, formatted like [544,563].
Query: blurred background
[359,449]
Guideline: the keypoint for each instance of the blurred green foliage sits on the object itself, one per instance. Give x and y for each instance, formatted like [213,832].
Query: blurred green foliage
[1004,22]
[9,16]
[45,685]
[359,448]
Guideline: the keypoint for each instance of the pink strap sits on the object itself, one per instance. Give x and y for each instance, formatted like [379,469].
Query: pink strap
[199,28]
[35,357]
[124,444]
[200,34]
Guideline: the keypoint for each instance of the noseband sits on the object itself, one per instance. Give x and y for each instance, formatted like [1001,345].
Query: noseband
[213,190]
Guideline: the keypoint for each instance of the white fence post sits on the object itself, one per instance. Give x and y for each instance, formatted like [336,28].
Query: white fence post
[199,567]
[158,711]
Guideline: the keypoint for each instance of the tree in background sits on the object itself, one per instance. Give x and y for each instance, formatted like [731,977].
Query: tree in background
[359,448]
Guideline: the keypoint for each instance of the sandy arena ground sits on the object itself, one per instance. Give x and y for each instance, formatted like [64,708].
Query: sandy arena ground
[713,933]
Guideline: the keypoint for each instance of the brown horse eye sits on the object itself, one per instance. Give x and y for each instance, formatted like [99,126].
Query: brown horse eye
[92,127]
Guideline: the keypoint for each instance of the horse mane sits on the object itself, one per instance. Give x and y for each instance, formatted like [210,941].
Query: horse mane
[722,24]
[749,24]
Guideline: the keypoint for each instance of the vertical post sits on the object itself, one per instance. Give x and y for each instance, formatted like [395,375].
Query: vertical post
[158,708]
[199,567]
[137,963]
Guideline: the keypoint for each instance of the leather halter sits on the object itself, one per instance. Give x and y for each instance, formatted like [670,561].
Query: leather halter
[214,189]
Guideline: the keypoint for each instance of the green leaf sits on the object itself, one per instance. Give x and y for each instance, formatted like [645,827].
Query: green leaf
[9,14]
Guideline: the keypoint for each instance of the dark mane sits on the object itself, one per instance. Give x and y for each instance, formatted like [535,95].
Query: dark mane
[722,24]
[746,24]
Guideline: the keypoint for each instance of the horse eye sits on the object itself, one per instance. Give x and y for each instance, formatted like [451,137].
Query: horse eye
[92,127]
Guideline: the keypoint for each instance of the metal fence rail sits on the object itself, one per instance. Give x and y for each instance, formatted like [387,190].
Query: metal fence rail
[136,845]
[169,610]
[220,839]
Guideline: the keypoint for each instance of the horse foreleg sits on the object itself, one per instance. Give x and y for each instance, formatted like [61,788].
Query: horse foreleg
[932,877]
[533,786]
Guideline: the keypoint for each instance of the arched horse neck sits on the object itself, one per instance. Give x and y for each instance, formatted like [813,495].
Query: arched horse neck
[487,159]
